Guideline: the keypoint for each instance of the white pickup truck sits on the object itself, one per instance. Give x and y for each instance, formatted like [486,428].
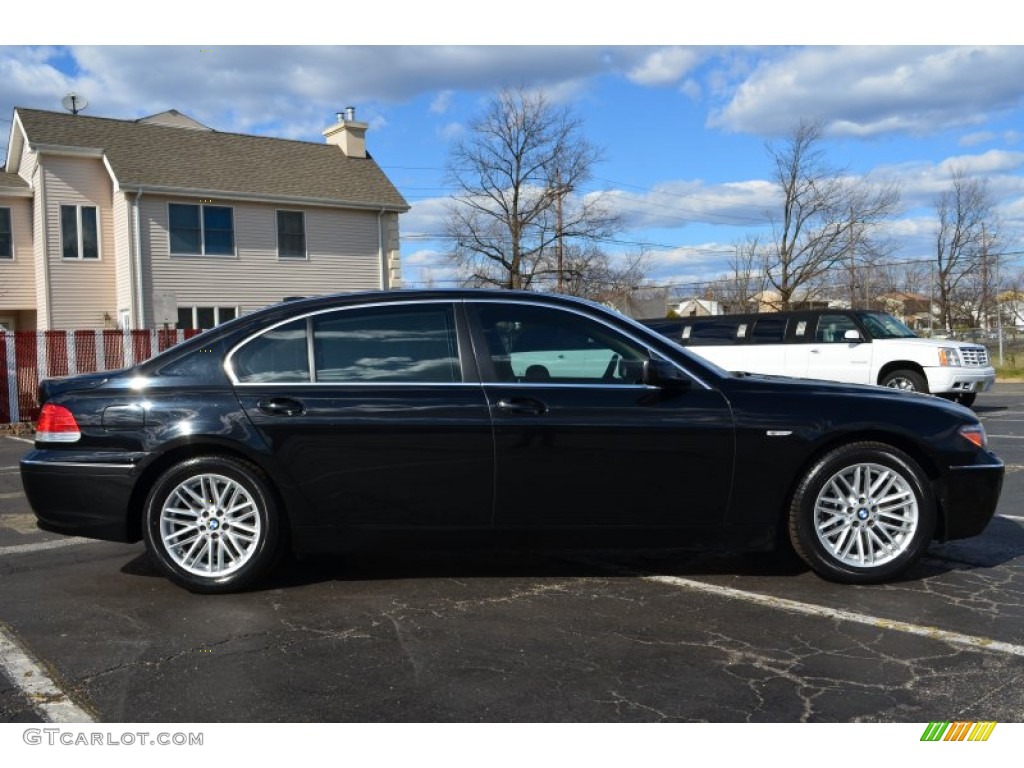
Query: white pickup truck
[855,346]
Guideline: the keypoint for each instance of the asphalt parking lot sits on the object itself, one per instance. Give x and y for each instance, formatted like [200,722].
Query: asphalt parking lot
[517,636]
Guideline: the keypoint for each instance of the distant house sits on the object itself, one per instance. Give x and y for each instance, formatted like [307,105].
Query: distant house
[771,301]
[696,308]
[133,223]
[914,309]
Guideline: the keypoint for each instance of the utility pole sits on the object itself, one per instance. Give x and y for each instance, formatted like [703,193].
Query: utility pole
[852,247]
[558,224]
[983,313]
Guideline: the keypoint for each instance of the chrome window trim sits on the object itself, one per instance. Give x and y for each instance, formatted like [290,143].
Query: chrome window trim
[308,317]
[229,358]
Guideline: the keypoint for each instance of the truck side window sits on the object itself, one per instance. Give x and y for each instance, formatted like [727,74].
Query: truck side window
[832,328]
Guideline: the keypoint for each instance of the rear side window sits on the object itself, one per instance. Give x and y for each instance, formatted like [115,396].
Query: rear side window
[387,344]
[717,331]
[280,354]
[769,330]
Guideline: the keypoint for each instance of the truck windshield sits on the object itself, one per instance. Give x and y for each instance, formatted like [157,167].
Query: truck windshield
[882,326]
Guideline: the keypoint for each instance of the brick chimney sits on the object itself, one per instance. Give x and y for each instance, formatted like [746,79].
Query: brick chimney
[348,134]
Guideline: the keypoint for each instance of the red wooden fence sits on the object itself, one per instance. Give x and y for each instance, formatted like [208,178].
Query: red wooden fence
[27,357]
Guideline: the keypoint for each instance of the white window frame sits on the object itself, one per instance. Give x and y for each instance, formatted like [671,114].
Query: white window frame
[305,239]
[202,232]
[80,232]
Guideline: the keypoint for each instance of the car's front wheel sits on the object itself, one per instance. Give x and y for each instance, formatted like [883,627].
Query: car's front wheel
[862,514]
[212,524]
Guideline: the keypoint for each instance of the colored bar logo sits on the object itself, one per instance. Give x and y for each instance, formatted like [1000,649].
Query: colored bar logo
[958,731]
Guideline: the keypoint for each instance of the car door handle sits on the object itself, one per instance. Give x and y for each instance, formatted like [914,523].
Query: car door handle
[522,406]
[281,406]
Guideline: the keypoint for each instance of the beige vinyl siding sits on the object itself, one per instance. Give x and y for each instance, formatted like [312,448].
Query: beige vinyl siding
[82,290]
[18,275]
[391,250]
[342,248]
[39,252]
[27,163]
[122,215]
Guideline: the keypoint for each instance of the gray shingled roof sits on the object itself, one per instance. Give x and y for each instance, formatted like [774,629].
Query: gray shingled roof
[11,181]
[148,155]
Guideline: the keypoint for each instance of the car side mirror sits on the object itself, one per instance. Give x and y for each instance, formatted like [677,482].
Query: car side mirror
[852,335]
[661,373]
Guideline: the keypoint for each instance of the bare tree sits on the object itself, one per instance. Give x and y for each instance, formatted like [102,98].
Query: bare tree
[517,207]
[747,278]
[827,217]
[591,273]
[966,230]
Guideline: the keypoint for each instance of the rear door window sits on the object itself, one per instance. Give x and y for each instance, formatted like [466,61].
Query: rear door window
[832,328]
[408,344]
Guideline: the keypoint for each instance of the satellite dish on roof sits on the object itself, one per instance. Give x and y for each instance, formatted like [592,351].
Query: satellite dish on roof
[74,103]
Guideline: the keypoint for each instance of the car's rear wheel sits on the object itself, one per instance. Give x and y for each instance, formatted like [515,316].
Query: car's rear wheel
[905,379]
[212,524]
[862,514]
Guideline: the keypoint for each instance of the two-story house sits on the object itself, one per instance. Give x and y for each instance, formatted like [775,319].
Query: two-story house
[139,223]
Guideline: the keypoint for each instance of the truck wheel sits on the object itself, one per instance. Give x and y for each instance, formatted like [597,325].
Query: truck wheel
[905,379]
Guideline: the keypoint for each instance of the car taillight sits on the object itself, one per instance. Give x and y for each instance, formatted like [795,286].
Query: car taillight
[57,425]
[975,434]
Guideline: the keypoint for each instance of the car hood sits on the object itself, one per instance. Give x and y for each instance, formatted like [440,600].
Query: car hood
[929,343]
[817,387]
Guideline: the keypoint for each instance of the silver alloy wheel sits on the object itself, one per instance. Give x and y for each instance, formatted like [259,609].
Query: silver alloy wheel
[210,525]
[866,515]
[901,382]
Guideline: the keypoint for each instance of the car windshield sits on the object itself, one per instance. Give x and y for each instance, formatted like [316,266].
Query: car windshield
[882,326]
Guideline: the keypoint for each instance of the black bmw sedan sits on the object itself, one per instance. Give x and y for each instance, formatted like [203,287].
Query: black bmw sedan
[337,421]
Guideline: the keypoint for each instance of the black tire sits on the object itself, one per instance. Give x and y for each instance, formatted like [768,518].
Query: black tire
[212,524]
[841,528]
[906,379]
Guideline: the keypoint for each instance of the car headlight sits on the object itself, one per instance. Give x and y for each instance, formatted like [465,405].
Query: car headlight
[949,356]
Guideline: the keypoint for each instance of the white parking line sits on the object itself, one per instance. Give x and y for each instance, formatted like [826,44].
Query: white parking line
[808,609]
[41,546]
[21,439]
[1012,517]
[47,698]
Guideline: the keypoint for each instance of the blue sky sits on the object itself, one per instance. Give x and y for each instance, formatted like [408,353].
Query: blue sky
[683,128]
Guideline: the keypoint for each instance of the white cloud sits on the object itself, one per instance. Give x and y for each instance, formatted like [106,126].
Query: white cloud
[867,91]
[442,102]
[664,67]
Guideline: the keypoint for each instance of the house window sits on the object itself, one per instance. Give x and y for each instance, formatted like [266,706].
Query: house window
[204,317]
[208,230]
[291,234]
[79,232]
[6,242]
